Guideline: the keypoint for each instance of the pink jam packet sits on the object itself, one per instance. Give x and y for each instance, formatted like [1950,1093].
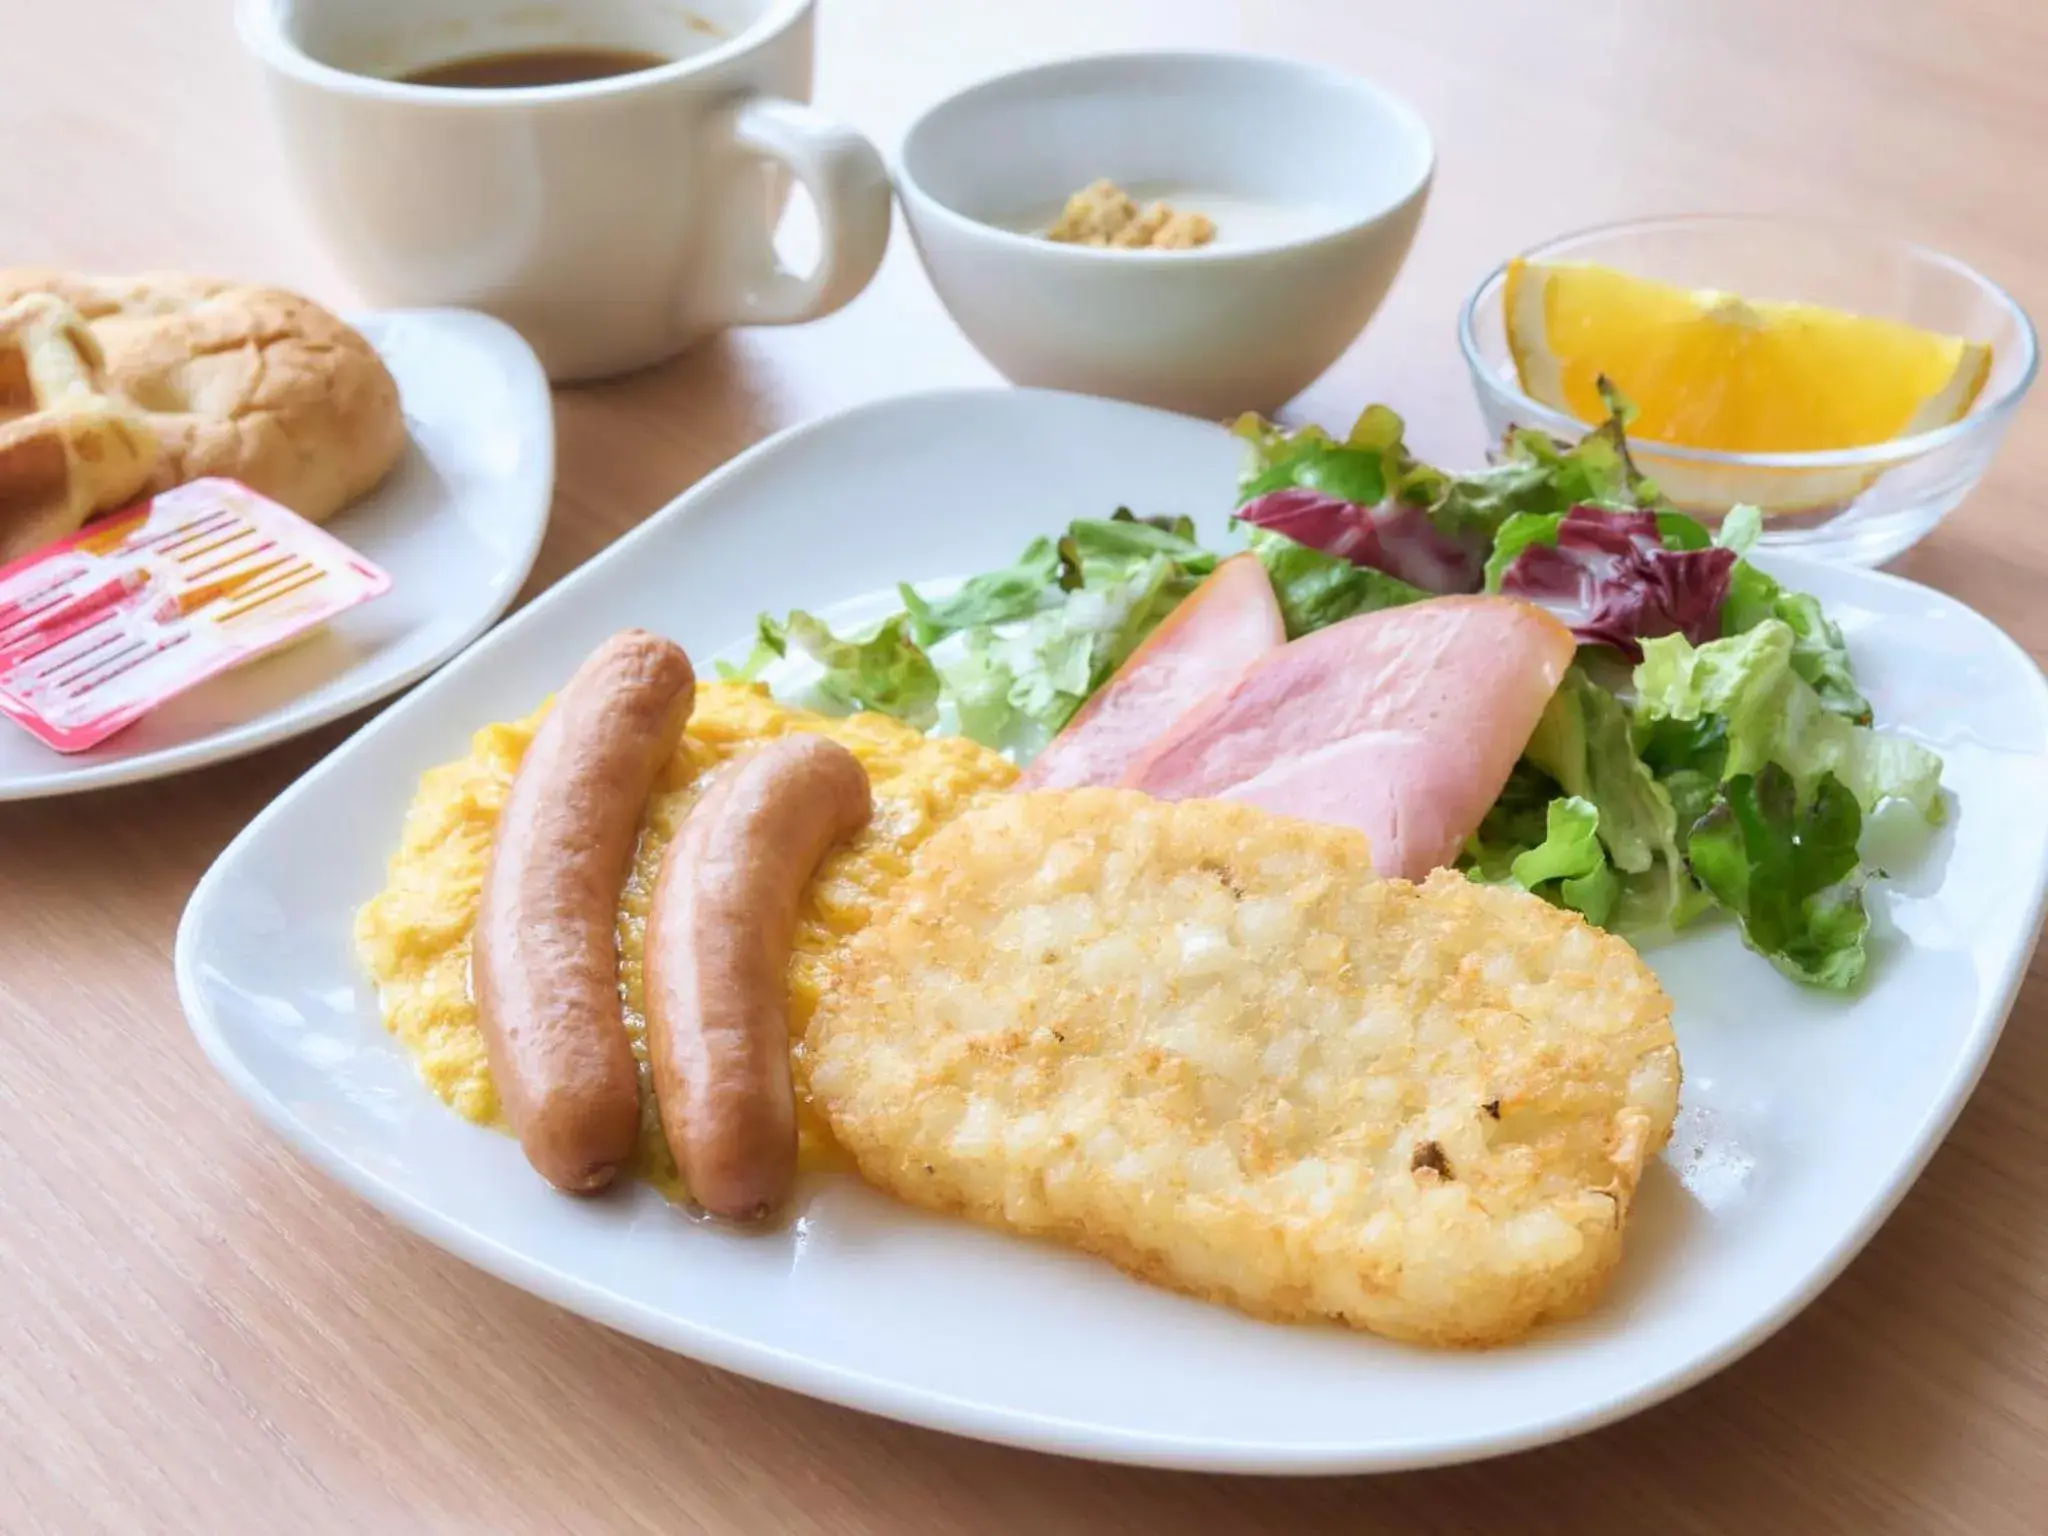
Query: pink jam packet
[100,628]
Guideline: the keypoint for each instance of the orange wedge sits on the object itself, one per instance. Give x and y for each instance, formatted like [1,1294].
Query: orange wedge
[1706,369]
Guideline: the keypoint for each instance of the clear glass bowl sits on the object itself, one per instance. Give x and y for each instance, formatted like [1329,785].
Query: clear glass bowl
[1859,506]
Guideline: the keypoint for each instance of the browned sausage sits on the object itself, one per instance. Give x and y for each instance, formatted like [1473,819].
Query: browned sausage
[718,943]
[545,963]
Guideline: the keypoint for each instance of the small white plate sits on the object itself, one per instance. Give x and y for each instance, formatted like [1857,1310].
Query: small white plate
[457,524]
[1805,1117]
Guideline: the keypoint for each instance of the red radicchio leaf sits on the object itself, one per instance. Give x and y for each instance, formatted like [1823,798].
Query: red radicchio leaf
[1392,537]
[1612,581]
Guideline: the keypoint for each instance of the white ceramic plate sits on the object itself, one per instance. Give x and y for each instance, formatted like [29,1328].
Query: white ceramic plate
[1805,1117]
[457,525]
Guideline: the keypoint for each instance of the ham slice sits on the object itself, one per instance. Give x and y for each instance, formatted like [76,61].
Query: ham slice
[1223,626]
[1403,723]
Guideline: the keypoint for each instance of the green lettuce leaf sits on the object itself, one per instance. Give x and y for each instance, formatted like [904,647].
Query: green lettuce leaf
[1115,621]
[769,647]
[1821,656]
[1011,592]
[1115,549]
[1583,742]
[1018,649]
[1788,869]
[1094,551]
[1663,897]
[1370,464]
[1014,690]
[1571,855]
[1272,446]
[1517,534]
[1689,758]
[1350,474]
[1316,590]
[1534,473]
[1819,653]
[886,670]
[1517,820]
[1668,746]
[1178,524]
[1773,715]
[1740,528]
[1545,842]
[1596,895]
[1521,485]
[976,683]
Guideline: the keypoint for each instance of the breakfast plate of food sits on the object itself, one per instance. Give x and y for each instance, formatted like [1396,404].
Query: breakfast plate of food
[1235,950]
[228,516]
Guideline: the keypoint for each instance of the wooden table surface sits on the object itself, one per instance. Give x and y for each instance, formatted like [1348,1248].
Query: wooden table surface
[199,1332]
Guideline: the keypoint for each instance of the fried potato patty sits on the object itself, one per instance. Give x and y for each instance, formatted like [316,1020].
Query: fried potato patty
[1204,1042]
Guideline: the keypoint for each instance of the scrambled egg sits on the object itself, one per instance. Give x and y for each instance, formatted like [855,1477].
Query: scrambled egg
[414,935]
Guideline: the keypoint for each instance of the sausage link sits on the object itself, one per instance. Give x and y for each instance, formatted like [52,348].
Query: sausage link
[718,945]
[545,962]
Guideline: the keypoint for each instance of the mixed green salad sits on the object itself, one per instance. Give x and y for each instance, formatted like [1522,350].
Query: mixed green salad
[1708,750]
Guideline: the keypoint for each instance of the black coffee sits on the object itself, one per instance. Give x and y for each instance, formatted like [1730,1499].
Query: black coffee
[535,66]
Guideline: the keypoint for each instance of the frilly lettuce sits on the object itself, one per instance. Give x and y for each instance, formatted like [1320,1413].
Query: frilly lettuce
[1583,743]
[1819,653]
[1740,528]
[1016,689]
[1570,854]
[884,670]
[1009,592]
[1775,785]
[1316,590]
[1773,715]
[1008,655]
[1367,466]
[1787,866]
[1548,843]
[1094,552]
[1367,499]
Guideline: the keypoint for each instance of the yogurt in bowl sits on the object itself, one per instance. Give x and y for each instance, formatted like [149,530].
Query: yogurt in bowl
[1315,182]
[1236,218]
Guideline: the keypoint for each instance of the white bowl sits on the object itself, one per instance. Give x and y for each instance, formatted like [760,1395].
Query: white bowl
[1316,180]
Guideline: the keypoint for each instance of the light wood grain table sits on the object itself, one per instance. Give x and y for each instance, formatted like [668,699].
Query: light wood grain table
[200,1333]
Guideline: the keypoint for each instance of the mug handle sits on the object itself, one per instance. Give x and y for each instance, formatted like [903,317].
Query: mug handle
[849,185]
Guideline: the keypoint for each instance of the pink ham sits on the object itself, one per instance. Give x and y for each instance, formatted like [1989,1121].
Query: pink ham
[1403,723]
[1222,627]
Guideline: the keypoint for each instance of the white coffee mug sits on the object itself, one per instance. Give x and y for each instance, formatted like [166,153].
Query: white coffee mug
[612,221]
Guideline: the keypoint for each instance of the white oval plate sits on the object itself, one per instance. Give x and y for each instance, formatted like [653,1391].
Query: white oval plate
[1805,1117]
[457,524]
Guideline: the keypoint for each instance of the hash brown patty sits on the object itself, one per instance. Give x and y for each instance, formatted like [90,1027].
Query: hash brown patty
[1205,1042]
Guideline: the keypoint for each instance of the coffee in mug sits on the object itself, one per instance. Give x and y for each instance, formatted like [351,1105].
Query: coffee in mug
[534,66]
[612,215]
